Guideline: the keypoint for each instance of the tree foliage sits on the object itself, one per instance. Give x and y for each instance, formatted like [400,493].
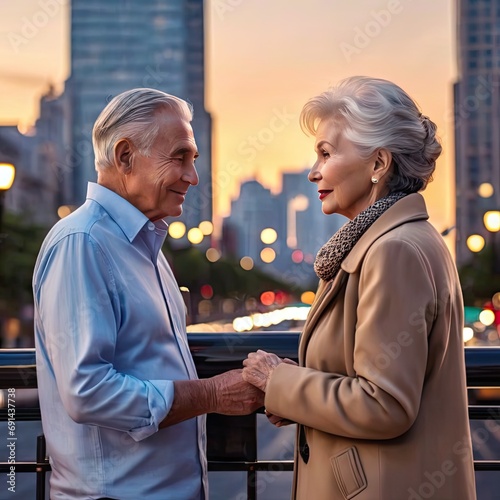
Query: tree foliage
[20,242]
[480,278]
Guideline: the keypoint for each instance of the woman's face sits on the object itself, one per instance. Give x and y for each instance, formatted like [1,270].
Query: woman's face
[342,176]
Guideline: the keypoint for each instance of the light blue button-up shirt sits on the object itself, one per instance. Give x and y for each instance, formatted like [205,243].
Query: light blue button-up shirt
[110,340]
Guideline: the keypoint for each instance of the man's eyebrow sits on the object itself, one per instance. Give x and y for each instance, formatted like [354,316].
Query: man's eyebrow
[183,151]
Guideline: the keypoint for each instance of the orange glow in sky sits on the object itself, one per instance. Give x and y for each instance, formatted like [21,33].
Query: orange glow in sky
[264,59]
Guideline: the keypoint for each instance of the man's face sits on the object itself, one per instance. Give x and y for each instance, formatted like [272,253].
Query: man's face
[157,185]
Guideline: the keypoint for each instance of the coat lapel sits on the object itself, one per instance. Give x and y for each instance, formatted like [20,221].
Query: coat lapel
[327,291]
[412,207]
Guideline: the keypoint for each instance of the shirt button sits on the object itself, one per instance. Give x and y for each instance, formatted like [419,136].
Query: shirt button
[151,226]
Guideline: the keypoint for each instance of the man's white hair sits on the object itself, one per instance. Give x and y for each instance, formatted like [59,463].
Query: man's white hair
[133,115]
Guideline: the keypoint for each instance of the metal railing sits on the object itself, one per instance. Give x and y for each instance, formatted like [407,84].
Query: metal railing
[217,353]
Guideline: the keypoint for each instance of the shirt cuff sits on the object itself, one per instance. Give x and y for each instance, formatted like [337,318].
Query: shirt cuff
[160,399]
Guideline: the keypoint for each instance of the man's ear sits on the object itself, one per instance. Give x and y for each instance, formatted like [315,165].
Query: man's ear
[383,162]
[122,156]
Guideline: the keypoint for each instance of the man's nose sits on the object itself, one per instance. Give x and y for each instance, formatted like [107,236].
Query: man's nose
[191,176]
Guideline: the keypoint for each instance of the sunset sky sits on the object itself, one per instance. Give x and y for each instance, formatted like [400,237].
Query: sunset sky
[265,58]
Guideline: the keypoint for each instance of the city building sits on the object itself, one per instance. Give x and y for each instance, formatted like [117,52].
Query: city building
[121,44]
[53,136]
[308,229]
[35,192]
[477,118]
[295,214]
[254,210]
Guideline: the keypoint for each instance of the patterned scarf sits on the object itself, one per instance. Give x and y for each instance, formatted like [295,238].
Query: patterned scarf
[336,249]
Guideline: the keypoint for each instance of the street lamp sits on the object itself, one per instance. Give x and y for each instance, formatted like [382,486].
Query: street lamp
[475,243]
[7,174]
[491,221]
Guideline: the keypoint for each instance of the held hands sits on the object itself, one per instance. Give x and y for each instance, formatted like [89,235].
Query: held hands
[231,395]
[259,366]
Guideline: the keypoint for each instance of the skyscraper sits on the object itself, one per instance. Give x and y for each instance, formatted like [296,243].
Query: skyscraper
[121,44]
[477,117]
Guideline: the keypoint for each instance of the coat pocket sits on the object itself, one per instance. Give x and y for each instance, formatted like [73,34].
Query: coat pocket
[349,473]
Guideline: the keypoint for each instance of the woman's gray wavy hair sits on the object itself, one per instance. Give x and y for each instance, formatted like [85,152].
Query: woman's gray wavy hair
[377,114]
[133,115]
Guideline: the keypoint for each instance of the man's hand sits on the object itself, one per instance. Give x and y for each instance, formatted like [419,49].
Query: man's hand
[233,396]
[227,393]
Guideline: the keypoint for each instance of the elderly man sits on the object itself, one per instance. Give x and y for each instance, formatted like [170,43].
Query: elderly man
[122,406]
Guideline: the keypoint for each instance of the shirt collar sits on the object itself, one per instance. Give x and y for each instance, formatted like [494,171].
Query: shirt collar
[127,217]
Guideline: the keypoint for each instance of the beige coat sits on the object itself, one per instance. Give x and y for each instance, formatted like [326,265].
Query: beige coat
[381,389]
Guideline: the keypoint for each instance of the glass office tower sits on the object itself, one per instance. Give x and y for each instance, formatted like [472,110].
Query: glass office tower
[117,45]
[477,117]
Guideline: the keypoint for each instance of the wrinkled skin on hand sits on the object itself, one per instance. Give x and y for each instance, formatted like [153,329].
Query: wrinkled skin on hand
[259,365]
[257,370]
[234,396]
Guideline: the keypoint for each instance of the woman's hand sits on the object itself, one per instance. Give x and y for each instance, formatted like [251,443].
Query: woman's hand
[257,371]
[276,420]
[259,366]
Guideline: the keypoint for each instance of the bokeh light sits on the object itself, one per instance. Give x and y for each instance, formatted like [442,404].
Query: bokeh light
[491,221]
[267,255]
[212,254]
[268,236]
[205,308]
[195,236]
[7,175]
[496,300]
[475,243]
[246,263]
[468,333]
[267,298]
[206,227]
[485,190]
[487,317]
[177,229]
[297,256]
[307,297]
[63,211]
[207,292]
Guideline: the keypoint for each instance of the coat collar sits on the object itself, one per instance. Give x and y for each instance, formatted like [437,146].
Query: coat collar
[408,209]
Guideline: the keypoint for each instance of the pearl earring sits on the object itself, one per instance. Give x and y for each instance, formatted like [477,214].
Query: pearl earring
[374,180]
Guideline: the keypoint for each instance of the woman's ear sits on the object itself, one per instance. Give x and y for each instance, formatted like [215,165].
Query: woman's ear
[122,156]
[383,162]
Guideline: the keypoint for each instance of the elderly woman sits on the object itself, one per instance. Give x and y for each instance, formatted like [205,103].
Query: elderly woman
[379,394]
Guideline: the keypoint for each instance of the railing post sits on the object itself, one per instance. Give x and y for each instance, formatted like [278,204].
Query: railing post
[252,483]
[40,470]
